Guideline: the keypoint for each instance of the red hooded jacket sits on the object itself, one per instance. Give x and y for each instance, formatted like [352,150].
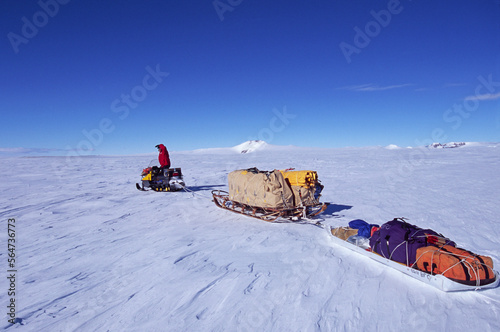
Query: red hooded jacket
[163,158]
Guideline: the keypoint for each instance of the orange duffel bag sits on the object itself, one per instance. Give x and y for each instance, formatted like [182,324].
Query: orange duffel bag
[456,264]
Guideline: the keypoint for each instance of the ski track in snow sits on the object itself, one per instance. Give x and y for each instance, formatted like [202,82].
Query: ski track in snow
[95,254]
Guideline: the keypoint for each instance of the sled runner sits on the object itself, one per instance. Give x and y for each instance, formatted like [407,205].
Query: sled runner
[158,179]
[221,199]
[272,195]
[343,236]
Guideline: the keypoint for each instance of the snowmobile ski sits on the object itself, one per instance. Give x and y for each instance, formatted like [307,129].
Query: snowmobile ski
[437,280]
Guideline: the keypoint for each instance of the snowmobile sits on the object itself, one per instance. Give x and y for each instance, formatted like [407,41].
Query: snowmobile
[159,179]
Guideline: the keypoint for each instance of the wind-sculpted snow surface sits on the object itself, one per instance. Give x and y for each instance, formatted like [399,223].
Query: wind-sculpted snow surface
[95,254]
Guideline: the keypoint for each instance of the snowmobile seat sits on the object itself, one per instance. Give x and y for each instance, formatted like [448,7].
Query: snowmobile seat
[171,172]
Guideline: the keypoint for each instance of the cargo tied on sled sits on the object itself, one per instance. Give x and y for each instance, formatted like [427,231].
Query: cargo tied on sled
[420,253]
[271,195]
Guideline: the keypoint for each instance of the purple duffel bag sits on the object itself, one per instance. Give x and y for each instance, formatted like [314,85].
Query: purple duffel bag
[398,240]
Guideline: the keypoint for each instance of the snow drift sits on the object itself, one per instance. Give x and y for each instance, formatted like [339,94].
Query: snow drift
[93,253]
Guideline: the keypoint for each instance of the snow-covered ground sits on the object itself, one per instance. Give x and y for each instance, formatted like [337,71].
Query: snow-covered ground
[95,254]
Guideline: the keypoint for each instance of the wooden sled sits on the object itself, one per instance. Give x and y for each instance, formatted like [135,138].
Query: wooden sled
[221,199]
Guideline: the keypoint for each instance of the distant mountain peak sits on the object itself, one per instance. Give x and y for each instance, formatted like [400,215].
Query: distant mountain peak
[250,146]
[392,147]
[450,145]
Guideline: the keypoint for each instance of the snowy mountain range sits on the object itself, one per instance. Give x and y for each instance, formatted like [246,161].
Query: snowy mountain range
[447,145]
[259,146]
[92,253]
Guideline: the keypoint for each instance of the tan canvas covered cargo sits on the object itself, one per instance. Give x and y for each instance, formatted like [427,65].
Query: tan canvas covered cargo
[304,196]
[260,189]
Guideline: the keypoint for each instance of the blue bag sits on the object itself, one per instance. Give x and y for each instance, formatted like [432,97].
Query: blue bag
[364,229]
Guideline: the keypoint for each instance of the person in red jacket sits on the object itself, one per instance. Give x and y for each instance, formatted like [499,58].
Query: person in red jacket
[163,157]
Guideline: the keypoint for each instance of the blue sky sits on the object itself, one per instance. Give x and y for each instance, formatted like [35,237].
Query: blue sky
[118,77]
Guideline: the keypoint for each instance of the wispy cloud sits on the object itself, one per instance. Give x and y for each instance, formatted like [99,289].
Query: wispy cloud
[372,87]
[11,150]
[453,85]
[487,96]
[29,151]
